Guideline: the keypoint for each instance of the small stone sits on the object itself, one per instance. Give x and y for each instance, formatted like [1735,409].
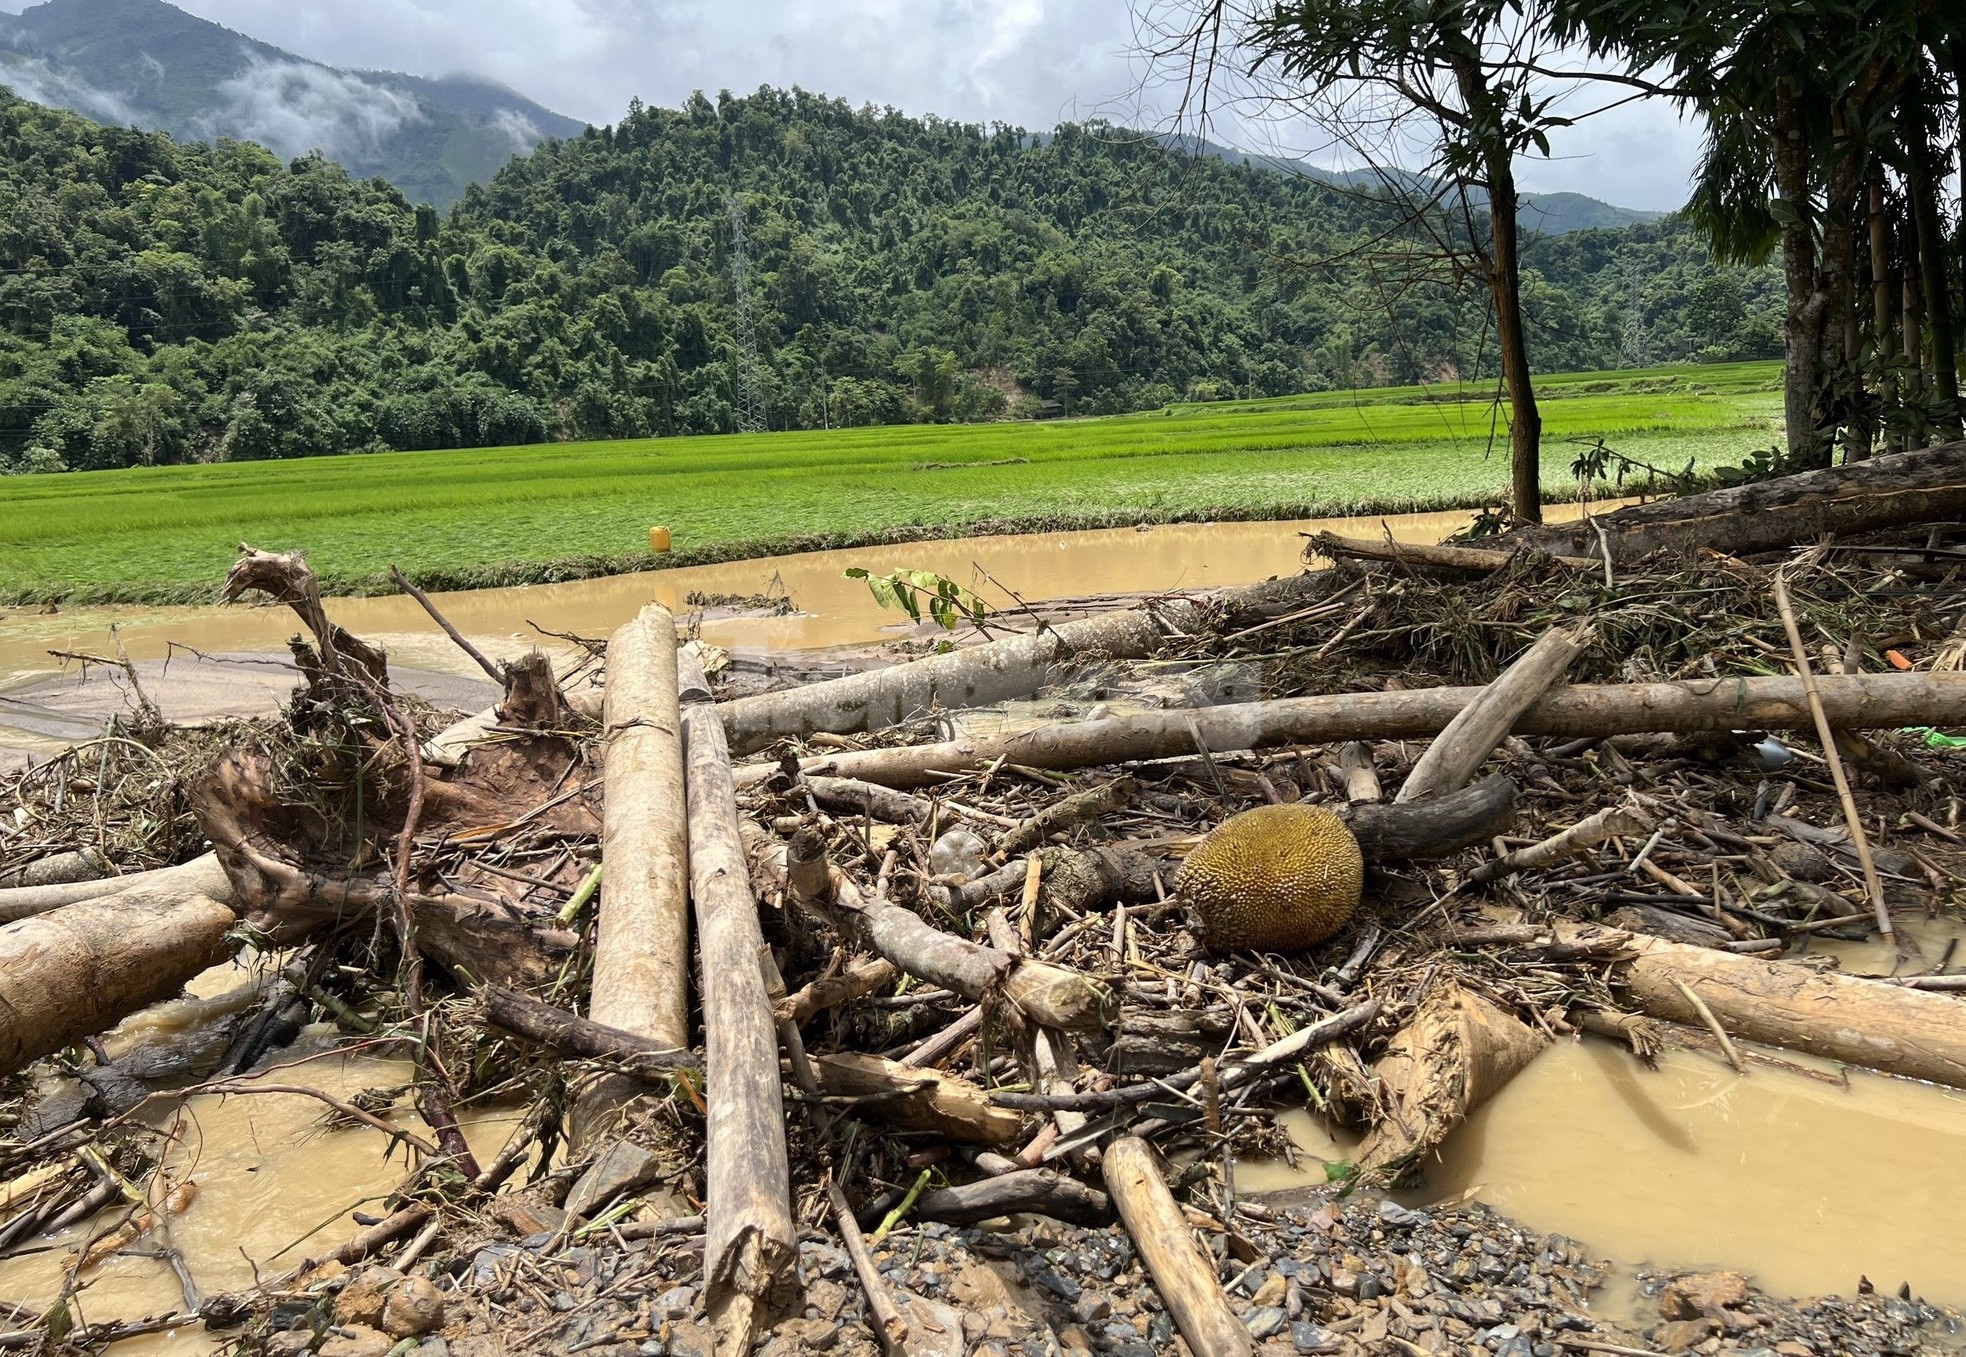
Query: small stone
[432,1347]
[821,1337]
[1308,1337]
[289,1343]
[1344,1282]
[622,1167]
[415,1307]
[1370,1287]
[1264,1320]
[823,1260]
[524,1218]
[357,1340]
[363,1296]
[1091,1307]
[675,1303]
[1702,1294]
[1271,1291]
[1681,1334]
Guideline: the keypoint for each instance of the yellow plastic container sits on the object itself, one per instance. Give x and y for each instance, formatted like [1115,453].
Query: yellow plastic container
[658,540]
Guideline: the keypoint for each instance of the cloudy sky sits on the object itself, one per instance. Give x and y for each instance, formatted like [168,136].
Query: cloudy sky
[1028,62]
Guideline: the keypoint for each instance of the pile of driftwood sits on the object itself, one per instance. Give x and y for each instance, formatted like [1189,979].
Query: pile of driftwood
[825,956]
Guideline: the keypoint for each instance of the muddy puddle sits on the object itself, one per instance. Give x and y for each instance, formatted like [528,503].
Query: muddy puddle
[1804,1184]
[275,1186]
[832,610]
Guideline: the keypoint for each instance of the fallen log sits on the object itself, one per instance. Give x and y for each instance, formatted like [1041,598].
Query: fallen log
[1052,996]
[78,970]
[1467,740]
[1923,486]
[582,1038]
[1456,1053]
[1063,814]
[917,1099]
[1473,559]
[1182,1273]
[202,874]
[996,671]
[836,991]
[58,869]
[1414,830]
[1892,1028]
[1039,1192]
[749,1237]
[641,946]
[1863,701]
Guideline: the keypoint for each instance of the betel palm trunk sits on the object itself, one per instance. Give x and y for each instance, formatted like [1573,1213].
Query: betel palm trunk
[1484,121]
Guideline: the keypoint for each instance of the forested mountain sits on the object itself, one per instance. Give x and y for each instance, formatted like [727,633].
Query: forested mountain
[150,64]
[162,301]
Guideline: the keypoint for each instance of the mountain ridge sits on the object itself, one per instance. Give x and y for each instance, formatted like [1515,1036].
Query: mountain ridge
[149,64]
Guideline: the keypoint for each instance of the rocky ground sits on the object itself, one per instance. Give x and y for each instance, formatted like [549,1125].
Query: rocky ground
[1351,1276]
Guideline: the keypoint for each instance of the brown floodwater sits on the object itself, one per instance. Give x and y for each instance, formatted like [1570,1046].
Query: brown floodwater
[274,1186]
[1804,1185]
[833,610]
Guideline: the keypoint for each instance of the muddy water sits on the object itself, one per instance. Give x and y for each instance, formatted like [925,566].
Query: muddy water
[1803,1184]
[833,610]
[274,1186]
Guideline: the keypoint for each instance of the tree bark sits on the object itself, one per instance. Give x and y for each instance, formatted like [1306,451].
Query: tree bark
[918,1099]
[1456,1053]
[1854,701]
[1922,184]
[1505,285]
[1885,1027]
[1882,311]
[641,948]
[1807,300]
[1923,486]
[997,671]
[78,970]
[749,1238]
[202,874]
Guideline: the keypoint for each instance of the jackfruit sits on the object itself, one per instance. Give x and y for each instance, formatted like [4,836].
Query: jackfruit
[1273,879]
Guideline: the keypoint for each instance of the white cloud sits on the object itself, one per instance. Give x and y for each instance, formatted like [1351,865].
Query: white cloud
[294,107]
[32,78]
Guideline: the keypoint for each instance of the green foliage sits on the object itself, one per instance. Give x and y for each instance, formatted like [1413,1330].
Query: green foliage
[903,270]
[915,591]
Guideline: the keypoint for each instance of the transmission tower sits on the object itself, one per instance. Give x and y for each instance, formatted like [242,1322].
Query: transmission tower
[1635,351]
[750,402]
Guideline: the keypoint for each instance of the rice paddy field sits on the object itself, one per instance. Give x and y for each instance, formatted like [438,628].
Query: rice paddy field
[557,511]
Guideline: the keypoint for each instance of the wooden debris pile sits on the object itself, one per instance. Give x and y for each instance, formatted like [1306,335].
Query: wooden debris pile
[815,962]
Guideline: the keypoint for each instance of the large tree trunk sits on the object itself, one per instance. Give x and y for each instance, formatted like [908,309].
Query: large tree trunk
[1853,701]
[1922,184]
[641,949]
[79,970]
[1923,486]
[1883,331]
[1505,288]
[1802,376]
[1015,666]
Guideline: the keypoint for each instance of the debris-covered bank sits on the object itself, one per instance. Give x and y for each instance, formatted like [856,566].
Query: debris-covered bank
[832,1018]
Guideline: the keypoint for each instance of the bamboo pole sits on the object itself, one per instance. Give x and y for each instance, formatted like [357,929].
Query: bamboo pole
[1826,735]
[749,1237]
[1760,703]
[1014,666]
[641,946]
[1182,1273]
